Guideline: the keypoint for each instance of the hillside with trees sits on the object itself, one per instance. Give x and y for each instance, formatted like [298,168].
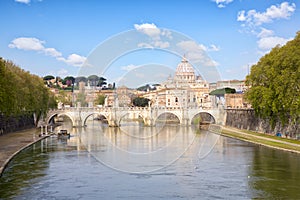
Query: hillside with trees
[275,84]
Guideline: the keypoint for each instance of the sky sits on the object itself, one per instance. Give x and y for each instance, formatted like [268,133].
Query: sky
[143,40]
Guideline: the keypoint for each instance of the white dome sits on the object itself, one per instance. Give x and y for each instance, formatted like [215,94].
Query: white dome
[184,67]
[185,71]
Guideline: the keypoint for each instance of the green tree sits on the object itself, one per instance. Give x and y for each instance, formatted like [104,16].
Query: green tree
[102,82]
[69,81]
[80,79]
[48,77]
[81,99]
[65,97]
[275,83]
[93,80]
[100,99]
[140,101]
[222,91]
[22,93]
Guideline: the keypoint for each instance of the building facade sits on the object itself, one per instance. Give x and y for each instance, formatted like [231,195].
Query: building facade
[185,89]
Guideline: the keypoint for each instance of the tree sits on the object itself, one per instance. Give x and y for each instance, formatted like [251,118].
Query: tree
[80,79]
[65,97]
[93,80]
[69,81]
[100,100]
[48,77]
[140,101]
[81,99]
[22,93]
[147,87]
[102,82]
[275,84]
[222,91]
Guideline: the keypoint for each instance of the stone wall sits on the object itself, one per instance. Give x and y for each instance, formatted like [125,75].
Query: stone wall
[11,124]
[246,119]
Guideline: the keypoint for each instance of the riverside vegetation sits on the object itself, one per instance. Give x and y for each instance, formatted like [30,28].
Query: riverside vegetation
[23,97]
[275,85]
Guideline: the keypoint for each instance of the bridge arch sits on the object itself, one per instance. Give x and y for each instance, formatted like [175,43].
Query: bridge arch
[204,116]
[137,116]
[51,117]
[170,114]
[91,114]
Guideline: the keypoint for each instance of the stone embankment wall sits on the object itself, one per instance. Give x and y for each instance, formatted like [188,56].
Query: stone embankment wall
[246,119]
[11,124]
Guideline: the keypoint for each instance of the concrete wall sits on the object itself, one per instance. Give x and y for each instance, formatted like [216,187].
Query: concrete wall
[246,119]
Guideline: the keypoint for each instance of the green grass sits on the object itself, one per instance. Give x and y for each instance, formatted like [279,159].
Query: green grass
[252,138]
[272,136]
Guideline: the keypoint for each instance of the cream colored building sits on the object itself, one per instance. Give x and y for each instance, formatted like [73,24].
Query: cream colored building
[236,101]
[185,89]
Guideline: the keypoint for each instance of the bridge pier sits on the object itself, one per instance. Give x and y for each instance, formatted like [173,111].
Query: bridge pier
[149,122]
[113,123]
[186,122]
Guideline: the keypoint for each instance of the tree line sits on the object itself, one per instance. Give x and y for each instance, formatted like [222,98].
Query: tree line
[70,81]
[275,84]
[22,93]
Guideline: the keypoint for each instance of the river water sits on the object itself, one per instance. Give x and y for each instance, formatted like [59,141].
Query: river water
[163,162]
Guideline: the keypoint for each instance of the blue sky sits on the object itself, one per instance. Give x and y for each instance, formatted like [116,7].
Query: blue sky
[57,36]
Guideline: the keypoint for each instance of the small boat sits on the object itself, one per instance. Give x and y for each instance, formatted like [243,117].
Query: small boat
[63,134]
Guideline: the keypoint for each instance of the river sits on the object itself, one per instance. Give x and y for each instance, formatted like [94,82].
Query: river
[163,162]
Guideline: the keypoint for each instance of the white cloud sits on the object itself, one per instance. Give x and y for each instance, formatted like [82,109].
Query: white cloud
[213,47]
[158,36]
[73,59]
[265,33]
[191,46]
[222,3]
[145,45]
[267,40]
[253,21]
[24,43]
[148,29]
[241,16]
[161,44]
[129,67]
[196,52]
[167,34]
[23,1]
[34,44]
[267,43]
[254,18]
[52,52]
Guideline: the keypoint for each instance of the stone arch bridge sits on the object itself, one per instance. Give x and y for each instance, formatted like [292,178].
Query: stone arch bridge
[114,115]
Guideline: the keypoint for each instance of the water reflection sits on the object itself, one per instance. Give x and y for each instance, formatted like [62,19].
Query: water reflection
[275,174]
[25,169]
[70,169]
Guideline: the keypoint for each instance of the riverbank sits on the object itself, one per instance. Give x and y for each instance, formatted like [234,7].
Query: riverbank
[280,143]
[12,143]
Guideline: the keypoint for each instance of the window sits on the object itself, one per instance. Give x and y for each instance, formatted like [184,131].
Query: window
[176,99]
